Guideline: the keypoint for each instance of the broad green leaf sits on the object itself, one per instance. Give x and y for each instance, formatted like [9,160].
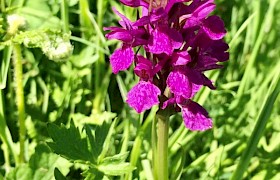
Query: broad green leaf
[69,143]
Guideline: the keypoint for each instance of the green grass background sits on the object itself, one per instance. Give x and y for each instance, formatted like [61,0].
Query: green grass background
[244,108]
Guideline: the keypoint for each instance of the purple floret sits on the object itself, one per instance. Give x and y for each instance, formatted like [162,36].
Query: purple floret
[121,59]
[143,96]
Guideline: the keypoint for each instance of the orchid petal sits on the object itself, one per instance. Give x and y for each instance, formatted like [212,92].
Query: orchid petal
[181,58]
[143,96]
[121,59]
[196,117]
[159,43]
[213,26]
[179,84]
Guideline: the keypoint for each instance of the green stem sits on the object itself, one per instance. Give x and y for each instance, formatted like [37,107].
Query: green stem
[154,148]
[100,63]
[3,6]
[20,100]
[5,135]
[136,149]
[162,147]
[65,15]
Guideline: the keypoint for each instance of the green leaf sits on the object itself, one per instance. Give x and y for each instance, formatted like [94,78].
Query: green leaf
[87,56]
[22,172]
[178,164]
[43,163]
[4,66]
[69,143]
[116,169]
[97,138]
[107,141]
[116,159]
[38,15]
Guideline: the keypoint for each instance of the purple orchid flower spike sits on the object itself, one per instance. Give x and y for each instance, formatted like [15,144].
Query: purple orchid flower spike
[180,42]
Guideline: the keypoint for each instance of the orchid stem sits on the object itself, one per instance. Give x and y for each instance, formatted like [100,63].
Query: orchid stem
[162,147]
[20,100]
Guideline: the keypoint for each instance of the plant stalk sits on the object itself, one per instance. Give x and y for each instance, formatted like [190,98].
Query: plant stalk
[65,15]
[17,59]
[162,147]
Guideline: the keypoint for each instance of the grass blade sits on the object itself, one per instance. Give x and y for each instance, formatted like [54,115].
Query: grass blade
[258,130]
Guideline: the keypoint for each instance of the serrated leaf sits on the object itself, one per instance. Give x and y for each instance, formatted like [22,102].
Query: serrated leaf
[91,142]
[116,159]
[69,143]
[101,133]
[107,141]
[97,140]
[116,169]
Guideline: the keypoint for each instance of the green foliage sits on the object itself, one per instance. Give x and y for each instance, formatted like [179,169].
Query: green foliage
[41,165]
[88,149]
[69,143]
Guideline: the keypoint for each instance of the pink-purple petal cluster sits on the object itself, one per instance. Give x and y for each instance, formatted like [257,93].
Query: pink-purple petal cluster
[181,41]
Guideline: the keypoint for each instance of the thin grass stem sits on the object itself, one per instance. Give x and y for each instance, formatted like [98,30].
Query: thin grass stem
[258,130]
[17,58]
[65,15]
